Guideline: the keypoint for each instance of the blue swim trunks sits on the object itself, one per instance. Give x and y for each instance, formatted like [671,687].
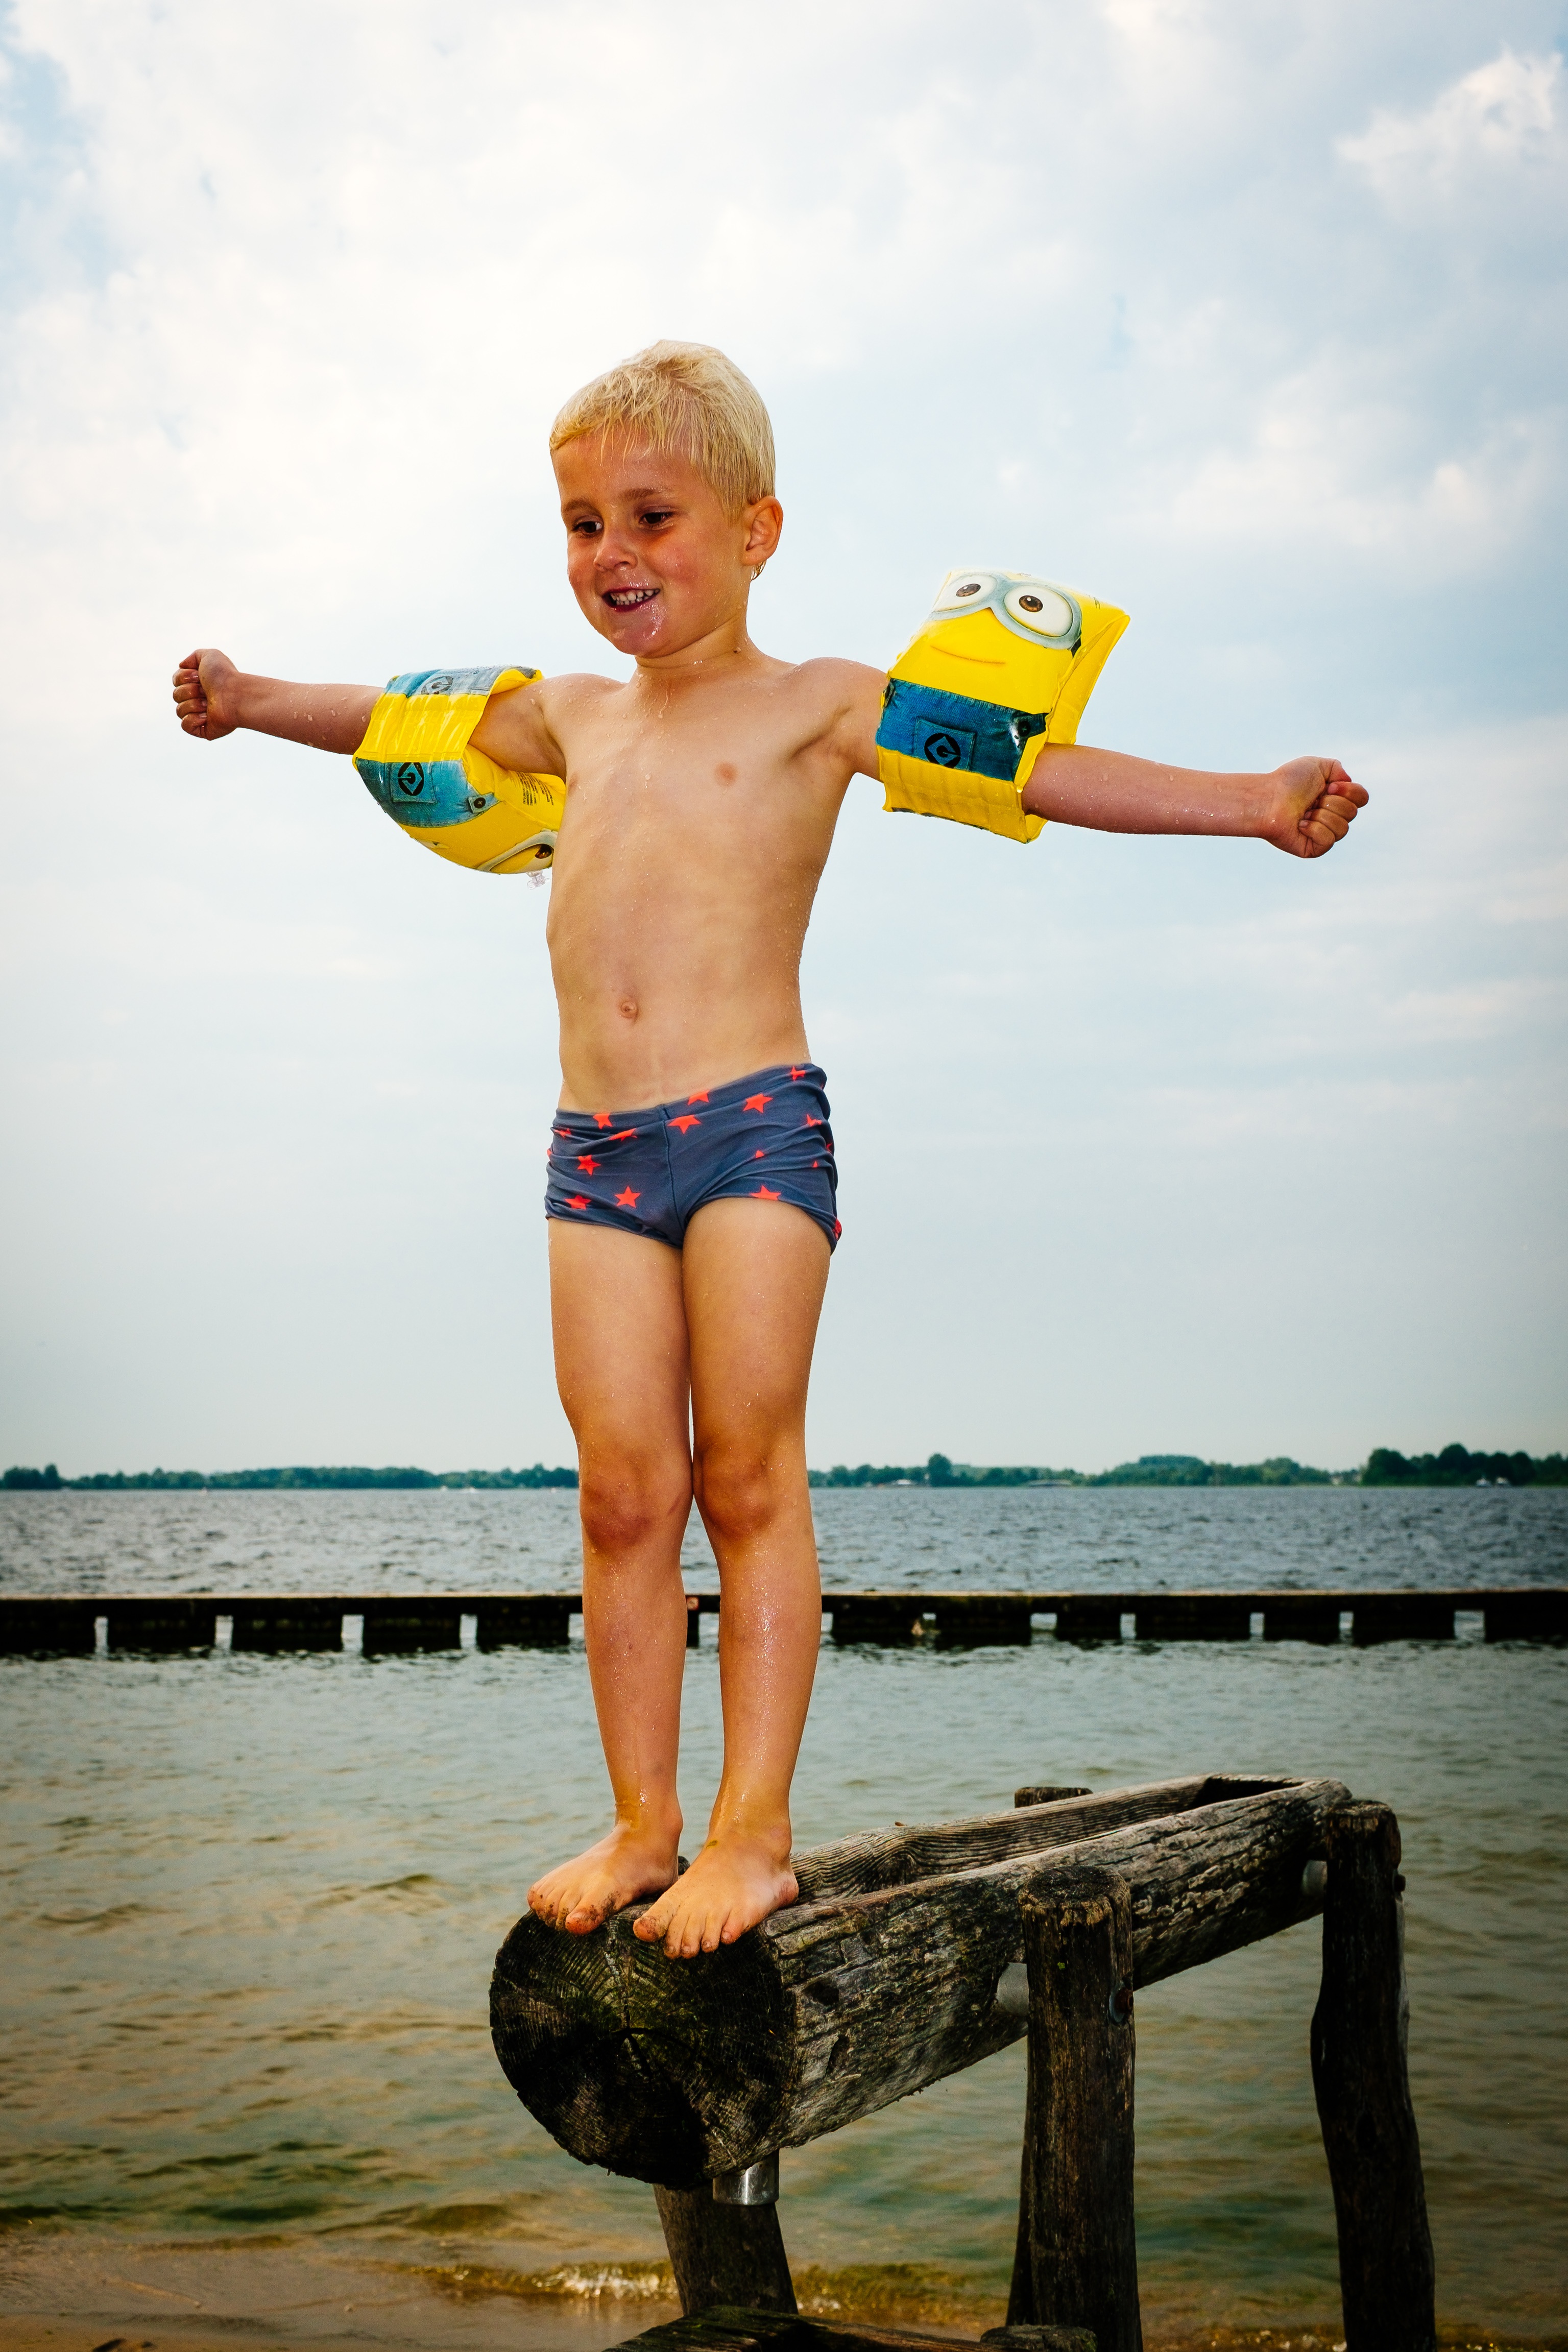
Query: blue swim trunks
[765,1138]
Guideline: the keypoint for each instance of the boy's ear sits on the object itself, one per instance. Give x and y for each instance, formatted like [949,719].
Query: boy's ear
[764,526]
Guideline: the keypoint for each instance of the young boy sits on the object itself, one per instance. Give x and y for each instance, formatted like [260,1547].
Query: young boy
[692,1184]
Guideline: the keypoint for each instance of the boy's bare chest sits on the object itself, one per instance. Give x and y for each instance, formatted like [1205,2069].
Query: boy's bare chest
[717,772]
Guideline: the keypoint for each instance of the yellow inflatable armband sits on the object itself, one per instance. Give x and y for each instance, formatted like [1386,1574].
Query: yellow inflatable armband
[418,762]
[1004,664]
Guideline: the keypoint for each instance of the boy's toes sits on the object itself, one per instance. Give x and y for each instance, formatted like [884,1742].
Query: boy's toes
[654,1923]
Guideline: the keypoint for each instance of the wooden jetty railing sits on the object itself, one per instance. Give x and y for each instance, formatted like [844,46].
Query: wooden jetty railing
[76,1623]
[912,1953]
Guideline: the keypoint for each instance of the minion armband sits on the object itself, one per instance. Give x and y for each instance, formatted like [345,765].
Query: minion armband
[418,762]
[1004,664]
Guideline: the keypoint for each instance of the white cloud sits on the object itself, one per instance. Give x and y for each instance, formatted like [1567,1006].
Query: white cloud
[295,293]
[1500,118]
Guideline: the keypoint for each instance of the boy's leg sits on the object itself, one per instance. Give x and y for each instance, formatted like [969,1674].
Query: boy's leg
[754,1275]
[620,1326]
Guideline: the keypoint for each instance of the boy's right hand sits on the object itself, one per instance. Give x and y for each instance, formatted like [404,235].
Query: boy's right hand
[206,694]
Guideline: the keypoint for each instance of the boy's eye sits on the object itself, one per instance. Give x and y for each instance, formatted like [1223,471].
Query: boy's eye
[586,527]
[656,514]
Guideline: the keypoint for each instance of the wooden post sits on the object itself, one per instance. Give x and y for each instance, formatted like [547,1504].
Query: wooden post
[725,2253]
[1363,2086]
[1077,2263]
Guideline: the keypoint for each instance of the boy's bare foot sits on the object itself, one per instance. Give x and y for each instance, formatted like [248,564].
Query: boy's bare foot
[736,1880]
[621,1869]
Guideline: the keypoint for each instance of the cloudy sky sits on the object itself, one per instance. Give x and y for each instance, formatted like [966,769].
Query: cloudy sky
[1246,314]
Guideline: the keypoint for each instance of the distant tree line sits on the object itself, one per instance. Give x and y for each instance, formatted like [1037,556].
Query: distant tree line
[302,1476]
[1454,1466]
[1457,1466]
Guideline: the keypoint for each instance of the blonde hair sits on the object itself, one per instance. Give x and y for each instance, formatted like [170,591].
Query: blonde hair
[688,397]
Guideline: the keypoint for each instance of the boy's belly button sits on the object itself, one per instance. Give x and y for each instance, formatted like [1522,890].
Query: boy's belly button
[627,1008]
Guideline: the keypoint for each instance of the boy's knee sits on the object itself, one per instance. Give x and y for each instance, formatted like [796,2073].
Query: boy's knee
[739,1490]
[624,1505]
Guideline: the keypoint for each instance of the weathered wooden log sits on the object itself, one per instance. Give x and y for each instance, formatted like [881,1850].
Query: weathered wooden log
[1077,2260]
[1025,2337]
[1363,2086]
[725,2253]
[725,2330]
[863,1993]
[1044,1794]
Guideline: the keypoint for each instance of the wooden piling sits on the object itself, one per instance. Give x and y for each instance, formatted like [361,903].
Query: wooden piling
[282,1622]
[1077,2261]
[725,2253]
[1362,2082]
[536,1620]
[411,1621]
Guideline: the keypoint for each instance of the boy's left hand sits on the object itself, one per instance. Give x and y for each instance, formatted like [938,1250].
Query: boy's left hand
[1315,804]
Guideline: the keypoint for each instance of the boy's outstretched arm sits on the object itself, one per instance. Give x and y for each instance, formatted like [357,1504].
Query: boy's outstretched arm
[1304,808]
[212,698]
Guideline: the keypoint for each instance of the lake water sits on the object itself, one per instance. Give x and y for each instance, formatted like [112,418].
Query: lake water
[250,1907]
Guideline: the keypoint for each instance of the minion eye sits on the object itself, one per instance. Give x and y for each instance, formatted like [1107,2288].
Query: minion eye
[1042,610]
[961,590]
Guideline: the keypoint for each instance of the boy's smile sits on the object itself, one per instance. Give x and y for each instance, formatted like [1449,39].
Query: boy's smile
[656,564]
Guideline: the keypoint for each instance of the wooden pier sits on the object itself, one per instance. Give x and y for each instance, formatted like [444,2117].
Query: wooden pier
[912,1953]
[76,1624]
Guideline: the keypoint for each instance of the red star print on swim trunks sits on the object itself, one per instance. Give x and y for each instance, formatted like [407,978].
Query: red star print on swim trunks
[627,1200]
[623,1135]
[758,1103]
[684,1121]
[601,1118]
[812,1122]
[587,1162]
[759,1155]
[577,1203]
[692,1099]
[796,1075]
[762,1193]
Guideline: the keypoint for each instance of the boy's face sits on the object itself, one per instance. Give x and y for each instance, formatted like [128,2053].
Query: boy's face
[655,561]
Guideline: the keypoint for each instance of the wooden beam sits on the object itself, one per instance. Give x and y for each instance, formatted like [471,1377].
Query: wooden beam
[728,2330]
[725,2253]
[1363,2086]
[1077,2260]
[674,2071]
[725,2330]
